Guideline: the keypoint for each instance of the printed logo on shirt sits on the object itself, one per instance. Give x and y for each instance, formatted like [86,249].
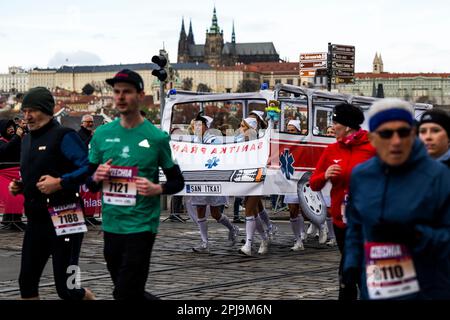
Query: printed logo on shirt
[42,148]
[125,152]
[337,160]
[144,143]
[112,140]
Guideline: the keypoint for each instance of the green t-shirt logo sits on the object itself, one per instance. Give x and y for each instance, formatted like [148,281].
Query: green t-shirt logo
[125,152]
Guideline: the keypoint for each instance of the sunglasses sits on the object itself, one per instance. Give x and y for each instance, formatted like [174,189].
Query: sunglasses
[387,134]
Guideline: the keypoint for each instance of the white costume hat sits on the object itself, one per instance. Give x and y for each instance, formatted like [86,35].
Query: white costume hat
[295,123]
[260,114]
[209,120]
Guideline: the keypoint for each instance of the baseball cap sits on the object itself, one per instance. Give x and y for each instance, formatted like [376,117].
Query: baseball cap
[128,76]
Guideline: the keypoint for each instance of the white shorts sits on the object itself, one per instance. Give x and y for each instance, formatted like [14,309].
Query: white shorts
[291,199]
[213,201]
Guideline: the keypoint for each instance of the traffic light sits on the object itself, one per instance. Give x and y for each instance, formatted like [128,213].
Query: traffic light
[160,73]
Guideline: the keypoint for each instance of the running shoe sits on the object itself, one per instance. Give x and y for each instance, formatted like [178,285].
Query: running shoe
[202,248]
[245,249]
[263,247]
[298,246]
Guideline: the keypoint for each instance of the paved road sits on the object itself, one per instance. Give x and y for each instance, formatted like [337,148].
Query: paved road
[177,273]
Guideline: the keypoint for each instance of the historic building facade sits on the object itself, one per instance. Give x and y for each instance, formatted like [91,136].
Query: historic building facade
[431,88]
[16,80]
[217,52]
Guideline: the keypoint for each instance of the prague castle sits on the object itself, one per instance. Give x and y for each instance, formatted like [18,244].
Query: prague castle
[216,52]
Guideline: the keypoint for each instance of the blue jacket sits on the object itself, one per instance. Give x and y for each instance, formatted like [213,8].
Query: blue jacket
[416,194]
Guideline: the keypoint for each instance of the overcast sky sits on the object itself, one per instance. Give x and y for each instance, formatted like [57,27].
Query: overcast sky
[411,35]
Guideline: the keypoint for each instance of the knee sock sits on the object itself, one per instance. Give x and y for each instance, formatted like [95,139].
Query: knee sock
[224,220]
[265,218]
[301,224]
[295,227]
[203,226]
[250,226]
[260,228]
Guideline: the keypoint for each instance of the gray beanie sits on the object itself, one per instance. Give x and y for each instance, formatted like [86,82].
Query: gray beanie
[39,98]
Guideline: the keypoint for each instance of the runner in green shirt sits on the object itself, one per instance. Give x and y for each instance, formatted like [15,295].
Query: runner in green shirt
[127,154]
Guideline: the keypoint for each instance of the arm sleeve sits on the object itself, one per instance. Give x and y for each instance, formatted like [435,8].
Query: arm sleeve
[95,159]
[75,151]
[353,237]
[317,180]
[90,183]
[175,180]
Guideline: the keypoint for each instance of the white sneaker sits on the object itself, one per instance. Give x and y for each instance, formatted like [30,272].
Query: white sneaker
[332,242]
[303,236]
[245,249]
[202,248]
[263,247]
[312,230]
[233,234]
[298,246]
[323,234]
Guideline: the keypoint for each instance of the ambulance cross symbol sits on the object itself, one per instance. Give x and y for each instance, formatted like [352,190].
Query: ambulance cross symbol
[212,163]
[286,161]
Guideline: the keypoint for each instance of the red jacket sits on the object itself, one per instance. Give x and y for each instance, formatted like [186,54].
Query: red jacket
[348,154]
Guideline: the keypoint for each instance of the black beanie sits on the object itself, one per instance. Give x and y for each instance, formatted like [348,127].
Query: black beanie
[440,117]
[39,98]
[348,115]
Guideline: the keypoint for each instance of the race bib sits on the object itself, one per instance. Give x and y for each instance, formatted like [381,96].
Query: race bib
[120,189]
[390,270]
[67,219]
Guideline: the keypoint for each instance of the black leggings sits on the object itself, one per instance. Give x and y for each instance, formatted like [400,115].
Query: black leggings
[345,293]
[128,260]
[39,242]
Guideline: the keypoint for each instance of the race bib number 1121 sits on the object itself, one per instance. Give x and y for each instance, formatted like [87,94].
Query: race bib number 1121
[120,189]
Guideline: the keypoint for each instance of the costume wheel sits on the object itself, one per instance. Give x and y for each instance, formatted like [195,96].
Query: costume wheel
[311,202]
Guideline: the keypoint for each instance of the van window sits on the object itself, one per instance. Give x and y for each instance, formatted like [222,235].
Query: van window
[227,117]
[323,114]
[297,110]
[322,120]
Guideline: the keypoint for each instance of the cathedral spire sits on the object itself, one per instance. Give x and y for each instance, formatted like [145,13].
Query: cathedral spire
[183,31]
[233,35]
[215,26]
[190,36]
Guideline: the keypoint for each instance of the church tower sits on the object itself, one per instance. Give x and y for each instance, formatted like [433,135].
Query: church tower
[183,45]
[378,64]
[214,43]
[190,37]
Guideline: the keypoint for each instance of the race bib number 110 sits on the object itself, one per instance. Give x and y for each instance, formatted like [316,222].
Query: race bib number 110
[390,270]
[120,189]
